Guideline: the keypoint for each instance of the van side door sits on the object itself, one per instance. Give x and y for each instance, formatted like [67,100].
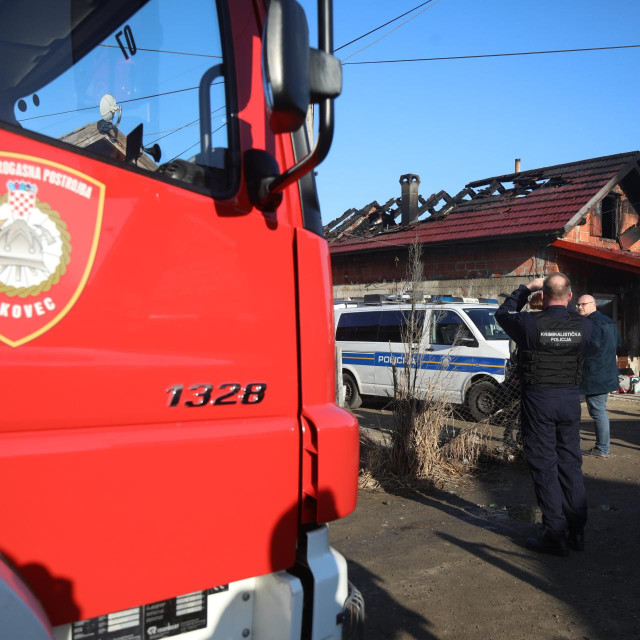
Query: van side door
[393,333]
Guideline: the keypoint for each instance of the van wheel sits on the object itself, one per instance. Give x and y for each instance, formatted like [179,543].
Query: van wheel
[481,400]
[352,398]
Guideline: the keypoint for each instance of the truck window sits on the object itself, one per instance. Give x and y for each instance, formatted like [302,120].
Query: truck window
[362,327]
[448,328]
[89,79]
[393,324]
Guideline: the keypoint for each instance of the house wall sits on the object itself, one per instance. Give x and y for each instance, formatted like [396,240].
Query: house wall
[586,233]
[456,266]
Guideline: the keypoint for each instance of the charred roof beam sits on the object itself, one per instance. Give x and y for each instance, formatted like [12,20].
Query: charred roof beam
[494,186]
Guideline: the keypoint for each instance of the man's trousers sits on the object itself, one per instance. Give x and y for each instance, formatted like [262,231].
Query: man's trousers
[551,433]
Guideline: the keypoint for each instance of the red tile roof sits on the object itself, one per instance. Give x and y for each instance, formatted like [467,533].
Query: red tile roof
[548,208]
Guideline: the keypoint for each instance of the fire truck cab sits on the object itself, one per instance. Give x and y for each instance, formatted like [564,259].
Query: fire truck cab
[170,446]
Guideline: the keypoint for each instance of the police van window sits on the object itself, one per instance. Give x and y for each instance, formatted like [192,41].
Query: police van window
[393,324]
[448,328]
[90,74]
[485,321]
[361,327]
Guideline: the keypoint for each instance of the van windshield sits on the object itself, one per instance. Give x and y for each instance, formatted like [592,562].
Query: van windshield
[485,321]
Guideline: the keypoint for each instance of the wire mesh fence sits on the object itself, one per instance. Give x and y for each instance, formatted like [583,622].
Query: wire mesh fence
[505,413]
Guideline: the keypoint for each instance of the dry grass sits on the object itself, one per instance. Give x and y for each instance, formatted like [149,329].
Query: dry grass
[425,448]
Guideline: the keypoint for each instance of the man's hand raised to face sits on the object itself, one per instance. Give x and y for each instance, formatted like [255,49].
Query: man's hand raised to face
[535,285]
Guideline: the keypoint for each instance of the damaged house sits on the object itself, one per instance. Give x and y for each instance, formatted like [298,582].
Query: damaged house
[580,218]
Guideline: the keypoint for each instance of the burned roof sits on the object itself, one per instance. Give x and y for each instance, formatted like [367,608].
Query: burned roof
[544,201]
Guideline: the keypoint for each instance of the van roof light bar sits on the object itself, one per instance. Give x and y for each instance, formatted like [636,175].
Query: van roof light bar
[439,299]
[380,298]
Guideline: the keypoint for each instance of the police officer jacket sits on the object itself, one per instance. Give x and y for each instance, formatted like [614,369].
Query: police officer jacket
[550,343]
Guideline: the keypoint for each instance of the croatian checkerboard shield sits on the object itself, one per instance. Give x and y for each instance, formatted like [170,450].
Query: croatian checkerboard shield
[50,219]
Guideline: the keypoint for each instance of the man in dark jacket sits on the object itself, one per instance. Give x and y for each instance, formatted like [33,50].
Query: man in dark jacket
[551,344]
[600,373]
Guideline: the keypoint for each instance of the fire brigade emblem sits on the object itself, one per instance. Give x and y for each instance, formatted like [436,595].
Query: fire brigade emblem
[34,242]
[50,218]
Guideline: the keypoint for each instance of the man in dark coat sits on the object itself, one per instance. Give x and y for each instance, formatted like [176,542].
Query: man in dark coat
[600,373]
[551,344]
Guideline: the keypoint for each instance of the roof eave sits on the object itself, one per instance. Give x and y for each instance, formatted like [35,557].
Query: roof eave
[618,177]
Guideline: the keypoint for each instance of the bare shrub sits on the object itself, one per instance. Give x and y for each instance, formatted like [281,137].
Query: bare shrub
[423,445]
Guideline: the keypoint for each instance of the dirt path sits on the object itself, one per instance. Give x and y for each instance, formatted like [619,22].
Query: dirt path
[453,564]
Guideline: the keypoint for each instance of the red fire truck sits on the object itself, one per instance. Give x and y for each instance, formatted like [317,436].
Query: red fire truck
[170,450]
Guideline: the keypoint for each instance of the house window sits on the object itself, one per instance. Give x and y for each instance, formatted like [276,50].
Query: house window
[610,208]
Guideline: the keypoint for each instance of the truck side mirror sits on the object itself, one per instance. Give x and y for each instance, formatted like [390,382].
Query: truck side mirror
[293,74]
[285,65]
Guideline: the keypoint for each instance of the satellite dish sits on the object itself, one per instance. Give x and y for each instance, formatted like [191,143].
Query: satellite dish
[109,108]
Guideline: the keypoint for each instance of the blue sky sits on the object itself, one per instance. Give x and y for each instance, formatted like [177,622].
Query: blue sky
[452,122]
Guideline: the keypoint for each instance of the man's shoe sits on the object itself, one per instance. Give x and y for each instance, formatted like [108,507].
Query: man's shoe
[552,543]
[595,453]
[575,539]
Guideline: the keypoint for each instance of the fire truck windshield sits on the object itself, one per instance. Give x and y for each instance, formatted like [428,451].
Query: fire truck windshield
[89,73]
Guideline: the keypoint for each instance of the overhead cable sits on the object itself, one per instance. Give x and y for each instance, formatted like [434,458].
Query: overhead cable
[197,143]
[184,126]
[432,4]
[496,55]
[381,26]
[176,53]
[154,95]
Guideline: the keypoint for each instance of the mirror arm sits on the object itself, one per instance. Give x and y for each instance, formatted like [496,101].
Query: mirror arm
[325,130]
[319,153]
[325,26]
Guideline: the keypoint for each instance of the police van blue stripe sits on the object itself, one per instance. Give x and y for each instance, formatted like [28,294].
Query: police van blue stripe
[362,359]
[468,364]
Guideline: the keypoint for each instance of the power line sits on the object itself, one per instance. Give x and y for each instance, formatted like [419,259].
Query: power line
[184,126]
[381,26]
[176,53]
[196,143]
[154,95]
[498,55]
[434,3]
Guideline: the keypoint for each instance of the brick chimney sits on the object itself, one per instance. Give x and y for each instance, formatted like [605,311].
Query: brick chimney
[409,183]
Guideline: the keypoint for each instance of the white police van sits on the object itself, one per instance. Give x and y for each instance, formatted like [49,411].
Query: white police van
[462,354]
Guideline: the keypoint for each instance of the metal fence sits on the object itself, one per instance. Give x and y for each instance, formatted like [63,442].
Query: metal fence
[507,413]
